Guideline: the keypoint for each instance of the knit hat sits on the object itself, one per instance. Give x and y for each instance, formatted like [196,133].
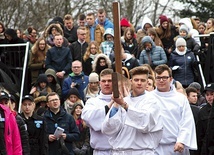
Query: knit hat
[73,91]
[195,85]
[163,18]
[93,77]
[42,78]
[184,28]
[124,22]
[180,42]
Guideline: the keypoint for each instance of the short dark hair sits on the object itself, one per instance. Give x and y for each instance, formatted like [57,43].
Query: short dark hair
[190,89]
[138,71]
[161,68]
[51,94]
[81,16]
[101,11]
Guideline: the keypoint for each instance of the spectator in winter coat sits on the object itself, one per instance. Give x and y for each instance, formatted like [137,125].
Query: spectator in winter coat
[53,82]
[81,146]
[191,43]
[76,79]
[108,45]
[101,62]
[91,52]
[102,20]
[55,117]
[182,62]
[78,47]
[37,58]
[152,54]
[70,31]
[6,101]
[59,58]
[129,42]
[10,137]
[166,33]
[94,32]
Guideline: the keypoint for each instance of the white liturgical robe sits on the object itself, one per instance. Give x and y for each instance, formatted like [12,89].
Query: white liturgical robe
[94,114]
[178,123]
[136,131]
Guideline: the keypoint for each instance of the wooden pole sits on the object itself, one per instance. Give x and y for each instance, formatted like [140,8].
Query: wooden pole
[117,35]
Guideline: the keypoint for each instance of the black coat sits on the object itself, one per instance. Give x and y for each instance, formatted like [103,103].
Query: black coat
[202,128]
[78,50]
[38,139]
[23,135]
[65,121]
[210,133]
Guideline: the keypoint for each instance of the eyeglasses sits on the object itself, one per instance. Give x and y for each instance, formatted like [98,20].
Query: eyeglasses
[93,48]
[53,100]
[164,78]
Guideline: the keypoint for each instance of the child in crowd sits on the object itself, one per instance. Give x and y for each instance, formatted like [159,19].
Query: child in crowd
[53,82]
[72,98]
[41,87]
[82,146]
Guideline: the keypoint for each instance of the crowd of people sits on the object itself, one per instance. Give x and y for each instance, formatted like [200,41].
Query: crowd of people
[70,77]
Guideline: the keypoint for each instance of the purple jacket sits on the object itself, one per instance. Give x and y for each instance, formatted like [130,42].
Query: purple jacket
[11,134]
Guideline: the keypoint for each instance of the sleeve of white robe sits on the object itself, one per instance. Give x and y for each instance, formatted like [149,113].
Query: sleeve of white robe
[187,132]
[93,114]
[146,119]
[114,124]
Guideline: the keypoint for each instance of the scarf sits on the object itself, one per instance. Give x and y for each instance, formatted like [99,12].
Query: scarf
[92,56]
[181,53]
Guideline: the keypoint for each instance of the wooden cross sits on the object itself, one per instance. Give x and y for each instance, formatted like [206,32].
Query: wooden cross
[119,82]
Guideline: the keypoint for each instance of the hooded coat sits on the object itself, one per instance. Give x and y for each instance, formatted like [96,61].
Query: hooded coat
[54,85]
[107,46]
[156,54]
[96,67]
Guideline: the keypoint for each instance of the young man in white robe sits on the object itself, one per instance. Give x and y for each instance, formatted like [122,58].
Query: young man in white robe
[179,134]
[134,123]
[94,113]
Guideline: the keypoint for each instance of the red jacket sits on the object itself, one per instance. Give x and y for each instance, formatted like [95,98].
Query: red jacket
[11,134]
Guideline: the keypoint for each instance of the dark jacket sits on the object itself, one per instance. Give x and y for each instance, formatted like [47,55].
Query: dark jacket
[210,133]
[130,62]
[65,121]
[185,73]
[71,35]
[78,50]
[81,83]
[87,66]
[38,140]
[203,117]
[23,134]
[132,48]
[59,59]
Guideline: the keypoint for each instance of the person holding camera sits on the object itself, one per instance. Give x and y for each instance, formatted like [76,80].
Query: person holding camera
[76,79]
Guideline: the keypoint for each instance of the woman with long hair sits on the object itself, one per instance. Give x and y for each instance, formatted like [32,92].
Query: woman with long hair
[91,52]
[37,58]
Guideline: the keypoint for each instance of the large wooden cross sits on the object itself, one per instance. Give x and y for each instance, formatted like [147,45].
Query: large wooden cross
[119,82]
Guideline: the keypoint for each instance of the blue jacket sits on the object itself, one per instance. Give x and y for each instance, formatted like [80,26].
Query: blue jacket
[59,59]
[185,73]
[107,23]
[65,121]
[157,54]
[81,81]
